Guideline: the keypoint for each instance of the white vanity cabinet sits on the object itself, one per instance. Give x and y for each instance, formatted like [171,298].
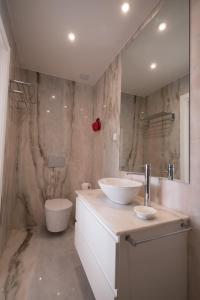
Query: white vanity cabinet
[116,268]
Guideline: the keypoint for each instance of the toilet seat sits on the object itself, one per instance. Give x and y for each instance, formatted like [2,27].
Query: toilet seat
[57,204]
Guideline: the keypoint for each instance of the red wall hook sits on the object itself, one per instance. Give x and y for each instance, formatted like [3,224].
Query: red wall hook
[96,126]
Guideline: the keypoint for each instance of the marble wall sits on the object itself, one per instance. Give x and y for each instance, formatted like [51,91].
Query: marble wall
[56,130]
[107,108]
[9,173]
[54,154]
[60,129]
[131,133]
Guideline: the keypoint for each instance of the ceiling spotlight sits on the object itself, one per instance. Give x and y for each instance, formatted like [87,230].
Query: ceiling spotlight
[65,106]
[53,97]
[48,111]
[125,7]
[71,37]
[153,66]
[162,26]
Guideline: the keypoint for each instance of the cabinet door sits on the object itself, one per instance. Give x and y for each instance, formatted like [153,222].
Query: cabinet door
[102,244]
[156,270]
[98,282]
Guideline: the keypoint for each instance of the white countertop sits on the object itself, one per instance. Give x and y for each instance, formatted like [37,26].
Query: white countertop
[121,219]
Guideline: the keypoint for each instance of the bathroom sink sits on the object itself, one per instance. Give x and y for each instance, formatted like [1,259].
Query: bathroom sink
[120,190]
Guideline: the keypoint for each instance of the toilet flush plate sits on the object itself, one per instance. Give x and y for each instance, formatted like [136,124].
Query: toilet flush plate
[56,161]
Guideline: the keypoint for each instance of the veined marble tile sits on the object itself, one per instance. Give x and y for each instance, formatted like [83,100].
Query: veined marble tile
[59,126]
[107,108]
[132,133]
[10,157]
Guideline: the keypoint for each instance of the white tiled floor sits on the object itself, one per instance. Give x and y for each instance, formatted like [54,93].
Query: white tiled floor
[37,265]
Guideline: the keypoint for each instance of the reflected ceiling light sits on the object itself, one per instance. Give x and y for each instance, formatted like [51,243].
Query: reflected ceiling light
[153,66]
[71,37]
[125,7]
[53,97]
[65,106]
[162,26]
[48,111]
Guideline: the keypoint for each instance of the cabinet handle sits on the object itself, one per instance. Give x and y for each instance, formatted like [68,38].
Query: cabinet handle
[135,243]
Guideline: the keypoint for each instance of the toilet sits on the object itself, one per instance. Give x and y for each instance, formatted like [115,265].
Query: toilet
[57,213]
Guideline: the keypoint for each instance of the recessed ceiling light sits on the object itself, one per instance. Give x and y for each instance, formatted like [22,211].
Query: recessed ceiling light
[162,26]
[153,66]
[65,106]
[125,7]
[71,37]
[53,97]
[48,111]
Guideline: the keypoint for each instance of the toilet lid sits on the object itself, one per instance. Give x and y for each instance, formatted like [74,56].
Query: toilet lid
[57,204]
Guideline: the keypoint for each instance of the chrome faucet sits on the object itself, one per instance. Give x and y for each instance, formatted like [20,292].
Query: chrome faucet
[147,199]
[171,169]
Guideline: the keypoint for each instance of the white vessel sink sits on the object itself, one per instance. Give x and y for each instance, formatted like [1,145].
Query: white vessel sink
[120,190]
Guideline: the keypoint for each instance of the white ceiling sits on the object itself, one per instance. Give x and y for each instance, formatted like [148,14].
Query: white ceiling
[41,28]
[169,49]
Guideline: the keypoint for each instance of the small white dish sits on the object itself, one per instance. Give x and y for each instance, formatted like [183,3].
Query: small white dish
[145,212]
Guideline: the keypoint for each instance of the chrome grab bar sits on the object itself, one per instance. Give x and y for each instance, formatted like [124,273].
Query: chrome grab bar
[135,243]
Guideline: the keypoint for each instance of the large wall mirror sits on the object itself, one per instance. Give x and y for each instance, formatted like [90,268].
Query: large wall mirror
[155,95]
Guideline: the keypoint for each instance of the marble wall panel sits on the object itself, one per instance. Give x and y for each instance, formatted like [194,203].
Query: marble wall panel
[107,108]
[9,173]
[131,133]
[57,128]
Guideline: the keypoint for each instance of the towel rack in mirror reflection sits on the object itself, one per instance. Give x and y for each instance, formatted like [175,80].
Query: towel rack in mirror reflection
[161,114]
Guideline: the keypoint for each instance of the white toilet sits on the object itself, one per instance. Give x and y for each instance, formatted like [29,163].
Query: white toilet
[57,212]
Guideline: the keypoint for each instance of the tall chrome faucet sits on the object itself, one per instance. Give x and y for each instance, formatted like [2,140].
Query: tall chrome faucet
[147,199]
[171,169]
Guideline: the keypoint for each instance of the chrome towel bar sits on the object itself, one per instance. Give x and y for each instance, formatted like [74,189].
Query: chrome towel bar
[136,243]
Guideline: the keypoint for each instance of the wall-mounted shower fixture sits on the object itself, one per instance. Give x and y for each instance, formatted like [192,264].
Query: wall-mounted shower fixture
[24,94]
